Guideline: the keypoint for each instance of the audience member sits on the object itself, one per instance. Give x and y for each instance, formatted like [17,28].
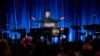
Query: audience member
[27,47]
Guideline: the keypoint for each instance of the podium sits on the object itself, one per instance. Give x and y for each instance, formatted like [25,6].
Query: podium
[53,26]
[49,25]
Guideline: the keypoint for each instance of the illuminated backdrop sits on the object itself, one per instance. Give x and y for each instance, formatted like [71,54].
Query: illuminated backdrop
[76,12]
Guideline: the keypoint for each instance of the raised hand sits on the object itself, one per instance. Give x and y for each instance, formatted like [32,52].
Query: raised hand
[62,18]
[33,18]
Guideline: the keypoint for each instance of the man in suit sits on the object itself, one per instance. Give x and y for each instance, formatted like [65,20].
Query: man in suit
[47,18]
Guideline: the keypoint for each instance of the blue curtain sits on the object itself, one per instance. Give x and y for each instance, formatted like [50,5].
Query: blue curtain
[76,12]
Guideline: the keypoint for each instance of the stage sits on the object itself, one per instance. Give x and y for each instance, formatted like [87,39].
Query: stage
[17,14]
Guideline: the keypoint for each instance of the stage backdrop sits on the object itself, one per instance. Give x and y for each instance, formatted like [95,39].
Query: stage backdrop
[76,12]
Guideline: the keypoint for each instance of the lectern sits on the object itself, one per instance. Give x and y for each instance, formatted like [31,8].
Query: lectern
[49,25]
